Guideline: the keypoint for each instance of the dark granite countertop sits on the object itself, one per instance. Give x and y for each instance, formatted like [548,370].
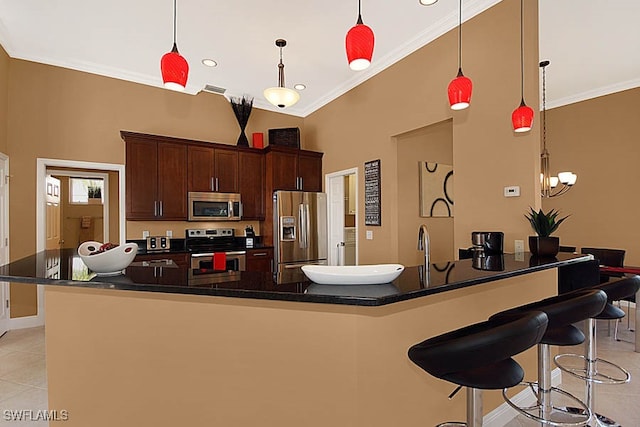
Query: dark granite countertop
[65,268]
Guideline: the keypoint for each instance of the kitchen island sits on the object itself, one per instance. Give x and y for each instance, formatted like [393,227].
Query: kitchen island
[165,346]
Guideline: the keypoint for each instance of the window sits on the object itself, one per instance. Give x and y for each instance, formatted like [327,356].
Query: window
[85,190]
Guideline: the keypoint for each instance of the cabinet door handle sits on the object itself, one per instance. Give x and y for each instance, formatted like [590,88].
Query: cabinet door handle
[260,254]
[155,208]
[161,213]
[217,185]
[213,185]
[301,184]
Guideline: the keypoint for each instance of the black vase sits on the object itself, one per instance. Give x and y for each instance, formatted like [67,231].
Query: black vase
[544,246]
[242,139]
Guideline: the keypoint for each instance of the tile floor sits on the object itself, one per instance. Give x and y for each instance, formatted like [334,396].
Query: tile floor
[23,375]
[23,378]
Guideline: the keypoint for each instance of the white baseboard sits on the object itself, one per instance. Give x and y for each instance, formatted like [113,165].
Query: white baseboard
[505,413]
[25,322]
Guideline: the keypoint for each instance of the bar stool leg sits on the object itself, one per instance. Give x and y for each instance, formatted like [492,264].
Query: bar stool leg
[474,407]
[544,380]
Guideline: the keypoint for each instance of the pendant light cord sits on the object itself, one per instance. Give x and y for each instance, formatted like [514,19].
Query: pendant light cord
[174,21]
[359,21]
[522,50]
[460,36]
[544,106]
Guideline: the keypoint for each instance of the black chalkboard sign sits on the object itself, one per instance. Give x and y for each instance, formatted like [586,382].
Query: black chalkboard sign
[372,212]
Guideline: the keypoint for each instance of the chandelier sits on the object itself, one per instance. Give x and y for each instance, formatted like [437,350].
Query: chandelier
[549,184]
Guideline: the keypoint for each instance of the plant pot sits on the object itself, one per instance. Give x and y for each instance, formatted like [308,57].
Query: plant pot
[544,246]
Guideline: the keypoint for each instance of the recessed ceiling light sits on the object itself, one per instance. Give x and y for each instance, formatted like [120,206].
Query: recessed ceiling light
[427,2]
[300,86]
[209,62]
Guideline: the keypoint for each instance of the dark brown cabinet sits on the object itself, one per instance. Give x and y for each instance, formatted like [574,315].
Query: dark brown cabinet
[293,169]
[251,183]
[212,169]
[156,179]
[260,259]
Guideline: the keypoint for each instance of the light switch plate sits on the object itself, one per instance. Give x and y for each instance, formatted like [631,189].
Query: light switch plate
[512,191]
[169,233]
[145,234]
[369,235]
[519,246]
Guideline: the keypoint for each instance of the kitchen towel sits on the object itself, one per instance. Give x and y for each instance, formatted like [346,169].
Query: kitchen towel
[85,222]
[220,261]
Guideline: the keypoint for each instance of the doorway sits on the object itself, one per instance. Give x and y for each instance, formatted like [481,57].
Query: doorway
[42,164]
[4,241]
[81,211]
[342,197]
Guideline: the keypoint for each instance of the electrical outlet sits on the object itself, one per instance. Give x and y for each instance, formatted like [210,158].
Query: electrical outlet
[519,246]
[169,233]
[145,234]
[369,235]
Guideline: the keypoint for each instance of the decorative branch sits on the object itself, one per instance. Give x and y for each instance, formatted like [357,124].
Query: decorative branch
[242,109]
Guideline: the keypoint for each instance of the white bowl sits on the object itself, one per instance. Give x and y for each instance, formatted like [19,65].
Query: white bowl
[353,274]
[107,263]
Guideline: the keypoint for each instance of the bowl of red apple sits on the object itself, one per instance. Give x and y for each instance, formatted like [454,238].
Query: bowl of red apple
[107,259]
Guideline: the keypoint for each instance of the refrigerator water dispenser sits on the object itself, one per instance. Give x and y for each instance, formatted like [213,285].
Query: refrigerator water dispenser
[287,228]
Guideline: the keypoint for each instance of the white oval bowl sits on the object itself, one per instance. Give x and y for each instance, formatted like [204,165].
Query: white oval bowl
[107,263]
[353,274]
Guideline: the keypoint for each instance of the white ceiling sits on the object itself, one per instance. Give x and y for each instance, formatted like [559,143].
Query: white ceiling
[593,46]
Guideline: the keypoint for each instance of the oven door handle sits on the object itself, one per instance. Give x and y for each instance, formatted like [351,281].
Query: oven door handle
[236,253]
[207,255]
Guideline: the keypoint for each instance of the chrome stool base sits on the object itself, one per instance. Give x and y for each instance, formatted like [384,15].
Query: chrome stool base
[598,419]
[452,424]
[595,377]
[548,414]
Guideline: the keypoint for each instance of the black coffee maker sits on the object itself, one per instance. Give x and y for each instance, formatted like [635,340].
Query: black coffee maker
[488,242]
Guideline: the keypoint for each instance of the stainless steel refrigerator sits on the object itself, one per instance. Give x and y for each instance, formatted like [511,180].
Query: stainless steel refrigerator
[300,229]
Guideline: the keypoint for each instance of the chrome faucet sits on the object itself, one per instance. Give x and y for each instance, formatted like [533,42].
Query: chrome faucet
[424,244]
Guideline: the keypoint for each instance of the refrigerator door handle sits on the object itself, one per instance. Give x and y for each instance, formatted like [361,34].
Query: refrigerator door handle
[302,220]
[307,225]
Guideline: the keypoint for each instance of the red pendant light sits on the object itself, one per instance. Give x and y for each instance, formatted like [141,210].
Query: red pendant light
[460,88]
[522,117]
[173,66]
[359,43]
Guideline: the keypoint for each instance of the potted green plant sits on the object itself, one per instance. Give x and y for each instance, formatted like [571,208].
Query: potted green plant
[544,224]
[94,194]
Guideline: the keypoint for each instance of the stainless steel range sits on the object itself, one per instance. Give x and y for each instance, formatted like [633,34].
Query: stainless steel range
[204,243]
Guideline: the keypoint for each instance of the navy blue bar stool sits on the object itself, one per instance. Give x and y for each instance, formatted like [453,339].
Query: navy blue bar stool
[589,367]
[479,357]
[562,310]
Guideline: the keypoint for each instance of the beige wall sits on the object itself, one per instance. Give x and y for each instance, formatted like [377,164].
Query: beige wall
[411,94]
[597,140]
[435,145]
[4,82]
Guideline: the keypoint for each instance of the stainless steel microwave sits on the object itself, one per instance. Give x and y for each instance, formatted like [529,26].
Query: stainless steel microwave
[204,206]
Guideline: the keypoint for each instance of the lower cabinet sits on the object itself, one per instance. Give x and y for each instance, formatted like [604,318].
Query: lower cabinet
[260,259]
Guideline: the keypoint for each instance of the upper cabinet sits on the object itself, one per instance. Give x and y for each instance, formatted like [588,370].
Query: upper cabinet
[212,169]
[156,179]
[293,169]
[251,183]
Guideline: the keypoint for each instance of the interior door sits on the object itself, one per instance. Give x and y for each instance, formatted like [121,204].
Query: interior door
[336,219]
[4,242]
[52,197]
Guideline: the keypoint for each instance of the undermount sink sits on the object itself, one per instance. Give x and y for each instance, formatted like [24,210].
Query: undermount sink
[353,274]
